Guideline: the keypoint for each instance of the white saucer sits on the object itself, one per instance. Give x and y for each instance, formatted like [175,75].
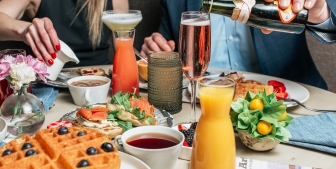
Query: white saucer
[131,162]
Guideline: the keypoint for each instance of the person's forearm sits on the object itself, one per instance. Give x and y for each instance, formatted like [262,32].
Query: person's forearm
[11,29]
[120,4]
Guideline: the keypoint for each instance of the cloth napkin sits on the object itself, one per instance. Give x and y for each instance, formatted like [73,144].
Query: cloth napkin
[2,143]
[47,94]
[315,132]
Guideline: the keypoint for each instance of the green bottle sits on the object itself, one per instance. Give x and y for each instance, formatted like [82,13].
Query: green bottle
[259,14]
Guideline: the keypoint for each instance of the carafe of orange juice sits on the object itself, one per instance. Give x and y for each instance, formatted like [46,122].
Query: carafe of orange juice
[125,77]
[214,142]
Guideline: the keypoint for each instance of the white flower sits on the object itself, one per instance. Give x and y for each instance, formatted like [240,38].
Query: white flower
[21,74]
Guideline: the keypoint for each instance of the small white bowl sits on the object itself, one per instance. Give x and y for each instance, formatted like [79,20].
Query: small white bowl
[185,153]
[3,129]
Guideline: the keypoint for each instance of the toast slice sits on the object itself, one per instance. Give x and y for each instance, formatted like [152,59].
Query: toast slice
[92,71]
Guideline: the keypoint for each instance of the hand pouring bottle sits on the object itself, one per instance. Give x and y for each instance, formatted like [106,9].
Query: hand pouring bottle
[259,14]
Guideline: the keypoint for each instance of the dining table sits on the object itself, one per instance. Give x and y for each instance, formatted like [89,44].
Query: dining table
[282,153]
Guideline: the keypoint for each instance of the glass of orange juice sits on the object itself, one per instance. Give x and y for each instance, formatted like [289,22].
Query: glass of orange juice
[214,142]
[125,77]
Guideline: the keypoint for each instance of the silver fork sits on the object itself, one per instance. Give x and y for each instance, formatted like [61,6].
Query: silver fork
[308,108]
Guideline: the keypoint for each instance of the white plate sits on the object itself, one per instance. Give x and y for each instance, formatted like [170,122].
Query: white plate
[163,118]
[131,162]
[185,151]
[294,90]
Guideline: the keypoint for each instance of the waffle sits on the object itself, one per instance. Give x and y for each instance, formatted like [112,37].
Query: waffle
[250,85]
[61,151]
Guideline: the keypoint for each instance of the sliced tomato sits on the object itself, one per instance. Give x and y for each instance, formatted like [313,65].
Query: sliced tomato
[281,96]
[99,109]
[85,112]
[279,89]
[101,115]
[275,83]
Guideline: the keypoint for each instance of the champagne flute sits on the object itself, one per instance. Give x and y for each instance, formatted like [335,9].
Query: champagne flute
[194,49]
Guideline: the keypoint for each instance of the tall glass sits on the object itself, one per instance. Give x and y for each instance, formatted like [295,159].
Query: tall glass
[194,49]
[118,21]
[125,76]
[215,149]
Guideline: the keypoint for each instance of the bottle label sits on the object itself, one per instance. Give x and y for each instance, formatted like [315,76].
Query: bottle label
[286,15]
[242,10]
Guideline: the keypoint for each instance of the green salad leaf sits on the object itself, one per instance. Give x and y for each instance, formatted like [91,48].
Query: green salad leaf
[125,125]
[138,114]
[245,119]
[151,120]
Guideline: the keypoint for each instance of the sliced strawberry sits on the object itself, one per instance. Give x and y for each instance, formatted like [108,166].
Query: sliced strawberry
[275,83]
[185,143]
[280,89]
[181,127]
[281,96]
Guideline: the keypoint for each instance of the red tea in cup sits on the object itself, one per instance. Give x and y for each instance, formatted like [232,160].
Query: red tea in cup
[152,141]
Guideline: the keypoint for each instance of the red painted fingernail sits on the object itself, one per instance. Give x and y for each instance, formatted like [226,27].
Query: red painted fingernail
[51,62]
[53,55]
[41,60]
[58,47]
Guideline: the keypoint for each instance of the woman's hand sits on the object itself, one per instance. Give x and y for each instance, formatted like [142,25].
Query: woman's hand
[156,42]
[318,9]
[41,36]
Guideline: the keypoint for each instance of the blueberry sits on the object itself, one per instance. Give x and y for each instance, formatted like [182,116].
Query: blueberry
[107,147]
[7,152]
[91,151]
[26,146]
[193,125]
[30,153]
[81,133]
[83,163]
[62,130]
[185,132]
[189,140]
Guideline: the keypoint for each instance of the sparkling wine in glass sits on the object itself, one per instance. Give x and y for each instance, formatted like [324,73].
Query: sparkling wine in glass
[194,49]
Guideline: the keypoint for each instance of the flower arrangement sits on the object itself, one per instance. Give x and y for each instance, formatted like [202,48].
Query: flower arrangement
[261,116]
[22,70]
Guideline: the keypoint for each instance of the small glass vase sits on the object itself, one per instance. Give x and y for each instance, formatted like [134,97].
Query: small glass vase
[23,112]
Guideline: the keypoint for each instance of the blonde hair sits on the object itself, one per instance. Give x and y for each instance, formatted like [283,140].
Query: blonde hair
[94,14]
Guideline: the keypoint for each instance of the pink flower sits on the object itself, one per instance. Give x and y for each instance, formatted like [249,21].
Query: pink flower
[4,70]
[7,59]
[20,58]
[39,67]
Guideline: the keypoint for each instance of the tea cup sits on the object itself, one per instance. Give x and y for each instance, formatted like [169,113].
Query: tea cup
[164,145]
[85,95]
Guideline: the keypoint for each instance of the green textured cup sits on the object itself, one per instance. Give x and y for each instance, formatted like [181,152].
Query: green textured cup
[165,81]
